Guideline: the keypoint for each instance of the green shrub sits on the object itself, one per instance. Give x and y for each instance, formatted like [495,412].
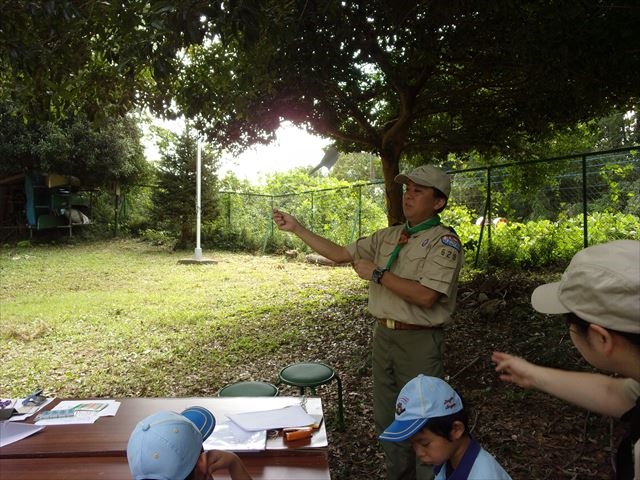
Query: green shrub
[544,243]
[159,237]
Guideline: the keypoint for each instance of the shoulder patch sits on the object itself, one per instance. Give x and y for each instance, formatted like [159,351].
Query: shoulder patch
[451,241]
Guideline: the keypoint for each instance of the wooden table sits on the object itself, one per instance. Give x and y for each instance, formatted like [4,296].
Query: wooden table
[304,466]
[98,450]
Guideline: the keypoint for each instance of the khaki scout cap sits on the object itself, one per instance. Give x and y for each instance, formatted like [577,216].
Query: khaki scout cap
[428,176]
[601,285]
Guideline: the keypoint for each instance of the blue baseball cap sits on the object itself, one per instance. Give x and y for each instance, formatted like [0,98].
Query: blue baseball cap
[166,445]
[420,400]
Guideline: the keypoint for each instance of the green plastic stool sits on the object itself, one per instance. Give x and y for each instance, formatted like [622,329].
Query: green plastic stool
[311,375]
[249,389]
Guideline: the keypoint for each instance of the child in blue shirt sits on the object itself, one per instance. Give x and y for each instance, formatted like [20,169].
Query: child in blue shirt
[431,415]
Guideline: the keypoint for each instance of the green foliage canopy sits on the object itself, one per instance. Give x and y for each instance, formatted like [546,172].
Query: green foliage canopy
[99,156]
[413,80]
[404,80]
[60,58]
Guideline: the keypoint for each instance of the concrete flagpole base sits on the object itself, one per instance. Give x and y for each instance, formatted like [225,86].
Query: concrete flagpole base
[197,259]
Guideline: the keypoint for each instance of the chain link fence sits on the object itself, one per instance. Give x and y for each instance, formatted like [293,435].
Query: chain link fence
[341,214]
[561,204]
[529,213]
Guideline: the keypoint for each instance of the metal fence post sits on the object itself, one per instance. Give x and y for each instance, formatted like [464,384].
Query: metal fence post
[585,226]
[487,207]
[312,209]
[271,222]
[359,211]
[116,214]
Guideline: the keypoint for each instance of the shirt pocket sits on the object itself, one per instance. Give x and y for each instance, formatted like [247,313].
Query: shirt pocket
[414,263]
[384,253]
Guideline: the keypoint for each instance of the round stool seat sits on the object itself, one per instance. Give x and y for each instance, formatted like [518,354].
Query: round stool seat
[307,374]
[311,375]
[249,389]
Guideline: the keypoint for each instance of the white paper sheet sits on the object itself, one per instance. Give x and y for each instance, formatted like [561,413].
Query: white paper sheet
[291,416]
[229,436]
[81,416]
[12,432]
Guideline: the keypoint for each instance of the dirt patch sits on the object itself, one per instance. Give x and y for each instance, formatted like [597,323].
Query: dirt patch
[533,435]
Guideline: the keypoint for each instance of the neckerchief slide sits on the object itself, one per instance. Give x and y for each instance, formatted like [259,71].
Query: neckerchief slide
[407,231]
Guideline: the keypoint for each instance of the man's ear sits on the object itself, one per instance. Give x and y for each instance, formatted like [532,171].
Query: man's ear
[440,203]
[457,430]
[601,338]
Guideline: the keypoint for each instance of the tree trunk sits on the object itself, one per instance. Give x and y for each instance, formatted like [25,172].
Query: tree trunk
[393,190]
[186,236]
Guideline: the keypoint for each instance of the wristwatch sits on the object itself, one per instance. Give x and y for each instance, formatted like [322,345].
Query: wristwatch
[377,274]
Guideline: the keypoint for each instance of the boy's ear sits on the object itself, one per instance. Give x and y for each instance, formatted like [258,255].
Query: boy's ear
[457,430]
[603,338]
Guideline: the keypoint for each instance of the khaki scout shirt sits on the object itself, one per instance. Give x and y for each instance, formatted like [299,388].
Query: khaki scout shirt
[432,257]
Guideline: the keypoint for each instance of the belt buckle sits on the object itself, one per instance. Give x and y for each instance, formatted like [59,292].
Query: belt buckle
[391,323]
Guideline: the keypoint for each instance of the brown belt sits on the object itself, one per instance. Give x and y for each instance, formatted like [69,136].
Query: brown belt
[396,325]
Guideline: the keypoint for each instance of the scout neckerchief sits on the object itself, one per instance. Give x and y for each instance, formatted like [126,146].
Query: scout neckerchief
[407,231]
[465,465]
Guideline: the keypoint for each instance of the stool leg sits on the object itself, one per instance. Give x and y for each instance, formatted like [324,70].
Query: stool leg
[340,407]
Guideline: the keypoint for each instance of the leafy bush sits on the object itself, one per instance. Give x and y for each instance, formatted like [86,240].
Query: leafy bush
[158,237]
[543,243]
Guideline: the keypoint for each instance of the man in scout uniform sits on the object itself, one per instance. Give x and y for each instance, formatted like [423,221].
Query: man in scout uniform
[413,272]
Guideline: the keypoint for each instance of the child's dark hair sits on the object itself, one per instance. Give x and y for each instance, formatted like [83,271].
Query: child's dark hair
[442,426]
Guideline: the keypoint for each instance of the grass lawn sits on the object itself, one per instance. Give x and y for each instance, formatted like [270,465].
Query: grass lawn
[122,318]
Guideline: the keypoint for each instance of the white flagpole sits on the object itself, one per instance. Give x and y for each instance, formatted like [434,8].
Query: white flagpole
[197,254]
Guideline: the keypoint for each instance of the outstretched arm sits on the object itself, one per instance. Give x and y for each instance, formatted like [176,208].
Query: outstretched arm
[323,246]
[593,391]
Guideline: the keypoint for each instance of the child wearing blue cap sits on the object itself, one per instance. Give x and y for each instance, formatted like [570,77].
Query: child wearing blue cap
[431,415]
[168,446]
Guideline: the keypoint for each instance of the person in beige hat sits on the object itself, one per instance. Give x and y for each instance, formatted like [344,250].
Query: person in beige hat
[599,295]
[412,271]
